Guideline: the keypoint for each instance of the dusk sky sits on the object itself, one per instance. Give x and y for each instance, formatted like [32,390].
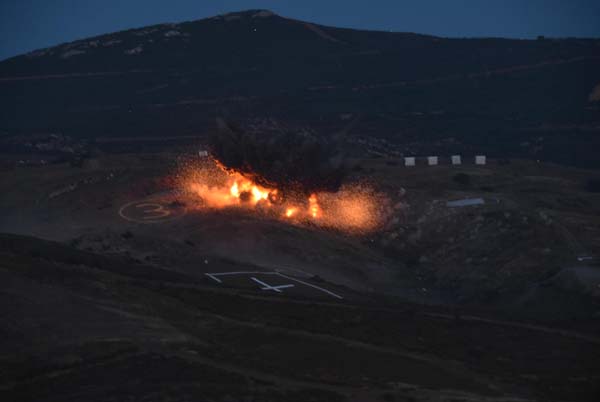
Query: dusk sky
[26,25]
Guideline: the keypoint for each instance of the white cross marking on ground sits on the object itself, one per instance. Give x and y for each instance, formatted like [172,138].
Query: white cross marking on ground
[216,275]
[269,287]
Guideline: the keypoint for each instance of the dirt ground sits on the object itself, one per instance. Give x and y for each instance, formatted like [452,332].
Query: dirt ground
[442,303]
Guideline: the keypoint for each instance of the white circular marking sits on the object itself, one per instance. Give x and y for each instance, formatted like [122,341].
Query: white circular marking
[146,211]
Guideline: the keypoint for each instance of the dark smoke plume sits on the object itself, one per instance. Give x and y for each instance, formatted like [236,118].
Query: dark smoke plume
[281,158]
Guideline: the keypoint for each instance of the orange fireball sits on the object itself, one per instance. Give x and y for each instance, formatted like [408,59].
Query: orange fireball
[354,208]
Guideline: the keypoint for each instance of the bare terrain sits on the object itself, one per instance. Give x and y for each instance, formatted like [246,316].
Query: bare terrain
[443,303]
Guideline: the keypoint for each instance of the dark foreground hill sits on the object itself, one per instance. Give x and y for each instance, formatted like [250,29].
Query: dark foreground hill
[526,98]
[80,326]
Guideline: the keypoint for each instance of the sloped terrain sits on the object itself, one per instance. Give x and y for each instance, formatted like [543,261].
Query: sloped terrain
[422,93]
[508,253]
[82,326]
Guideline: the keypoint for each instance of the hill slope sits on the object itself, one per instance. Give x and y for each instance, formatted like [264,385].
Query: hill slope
[77,325]
[484,95]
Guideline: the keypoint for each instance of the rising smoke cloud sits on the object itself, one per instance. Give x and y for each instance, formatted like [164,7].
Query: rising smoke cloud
[289,159]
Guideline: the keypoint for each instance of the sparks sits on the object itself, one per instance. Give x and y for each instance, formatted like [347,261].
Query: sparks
[355,209]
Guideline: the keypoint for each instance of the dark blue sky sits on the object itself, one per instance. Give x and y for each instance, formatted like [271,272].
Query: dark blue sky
[31,24]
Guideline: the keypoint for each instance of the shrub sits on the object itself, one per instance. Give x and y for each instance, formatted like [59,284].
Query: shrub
[462,178]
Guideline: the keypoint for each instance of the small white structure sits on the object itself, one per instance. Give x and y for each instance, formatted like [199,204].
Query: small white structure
[202,153]
[456,159]
[480,160]
[432,160]
[409,161]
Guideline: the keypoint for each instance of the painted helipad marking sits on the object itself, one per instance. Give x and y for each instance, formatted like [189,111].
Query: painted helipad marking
[150,208]
[215,276]
[266,286]
[311,285]
[149,211]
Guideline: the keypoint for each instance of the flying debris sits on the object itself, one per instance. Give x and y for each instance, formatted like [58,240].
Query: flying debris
[289,175]
[297,160]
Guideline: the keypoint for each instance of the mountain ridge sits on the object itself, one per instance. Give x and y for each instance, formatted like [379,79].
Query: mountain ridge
[78,47]
[229,16]
[480,94]
[266,13]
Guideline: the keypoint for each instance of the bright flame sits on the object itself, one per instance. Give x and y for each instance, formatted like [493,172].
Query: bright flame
[258,194]
[353,208]
[313,206]
[235,191]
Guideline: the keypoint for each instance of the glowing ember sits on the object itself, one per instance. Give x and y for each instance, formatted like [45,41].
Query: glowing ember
[289,212]
[353,208]
[314,209]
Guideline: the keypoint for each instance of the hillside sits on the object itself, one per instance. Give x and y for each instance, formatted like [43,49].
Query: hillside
[521,98]
[104,328]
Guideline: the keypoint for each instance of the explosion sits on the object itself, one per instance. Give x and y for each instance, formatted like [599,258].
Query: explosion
[352,208]
[292,175]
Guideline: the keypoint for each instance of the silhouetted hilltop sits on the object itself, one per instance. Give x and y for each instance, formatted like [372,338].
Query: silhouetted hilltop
[532,98]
